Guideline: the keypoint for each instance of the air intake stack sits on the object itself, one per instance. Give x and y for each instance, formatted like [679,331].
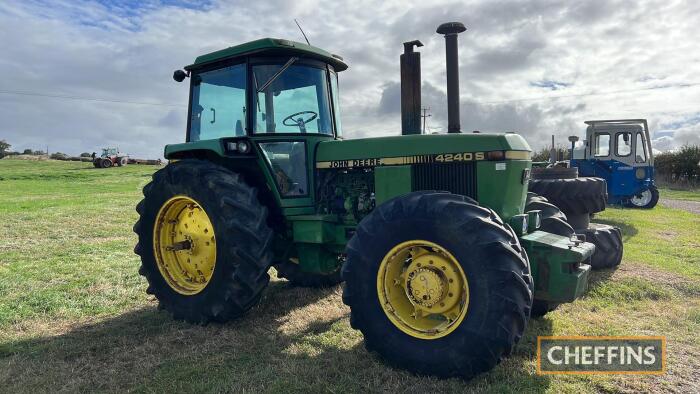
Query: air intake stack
[410,89]
[450,31]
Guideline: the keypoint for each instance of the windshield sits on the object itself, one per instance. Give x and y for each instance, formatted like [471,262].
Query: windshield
[218,103]
[294,100]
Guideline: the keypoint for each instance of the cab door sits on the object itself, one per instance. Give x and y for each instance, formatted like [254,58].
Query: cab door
[644,170]
[600,156]
[623,180]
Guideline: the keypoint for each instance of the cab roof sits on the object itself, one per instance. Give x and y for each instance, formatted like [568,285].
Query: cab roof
[271,47]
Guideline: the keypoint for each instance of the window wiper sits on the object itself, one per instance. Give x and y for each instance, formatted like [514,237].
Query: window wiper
[277,74]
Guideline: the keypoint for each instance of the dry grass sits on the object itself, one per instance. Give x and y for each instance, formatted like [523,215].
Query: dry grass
[74,315]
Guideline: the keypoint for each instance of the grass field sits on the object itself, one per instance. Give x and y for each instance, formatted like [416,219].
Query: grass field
[688,194]
[74,315]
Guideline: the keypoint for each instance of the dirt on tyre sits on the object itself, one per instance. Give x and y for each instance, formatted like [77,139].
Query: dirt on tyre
[204,242]
[608,245]
[552,219]
[573,196]
[293,273]
[437,284]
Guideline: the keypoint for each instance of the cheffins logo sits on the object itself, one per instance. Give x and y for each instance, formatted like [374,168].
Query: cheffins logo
[605,355]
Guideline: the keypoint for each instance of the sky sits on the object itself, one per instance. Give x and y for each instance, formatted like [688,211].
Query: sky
[78,76]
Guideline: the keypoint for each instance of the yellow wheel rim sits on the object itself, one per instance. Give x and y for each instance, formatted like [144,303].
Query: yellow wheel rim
[423,289]
[184,245]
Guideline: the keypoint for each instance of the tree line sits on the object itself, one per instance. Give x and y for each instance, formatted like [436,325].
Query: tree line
[5,151]
[681,166]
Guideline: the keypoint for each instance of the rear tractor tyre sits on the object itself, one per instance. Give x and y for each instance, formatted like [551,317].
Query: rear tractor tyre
[204,242]
[552,220]
[554,173]
[541,307]
[573,196]
[647,199]
[608,245]
[105,163]
[293,273]
[437,284]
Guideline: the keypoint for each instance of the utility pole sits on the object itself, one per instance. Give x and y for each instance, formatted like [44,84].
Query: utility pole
[425,116]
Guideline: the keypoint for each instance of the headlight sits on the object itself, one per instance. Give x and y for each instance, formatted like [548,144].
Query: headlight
[239,146]
[243,146]
[534,219]
[519,223]
[641,173]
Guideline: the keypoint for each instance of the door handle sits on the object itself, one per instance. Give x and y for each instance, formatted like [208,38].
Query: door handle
[213,115]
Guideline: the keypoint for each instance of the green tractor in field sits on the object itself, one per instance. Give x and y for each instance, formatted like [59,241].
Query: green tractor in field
[442,266]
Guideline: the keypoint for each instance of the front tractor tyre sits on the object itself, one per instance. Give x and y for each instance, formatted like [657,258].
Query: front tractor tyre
[552,219]
[646,199]
[204,242]
[437,284]
[608,245]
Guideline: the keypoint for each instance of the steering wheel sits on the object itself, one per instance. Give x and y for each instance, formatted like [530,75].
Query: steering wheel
[300,122]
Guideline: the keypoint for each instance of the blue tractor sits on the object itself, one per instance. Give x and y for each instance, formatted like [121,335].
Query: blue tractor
[619,151]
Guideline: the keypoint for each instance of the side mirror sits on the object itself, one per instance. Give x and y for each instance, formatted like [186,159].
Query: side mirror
[179,75]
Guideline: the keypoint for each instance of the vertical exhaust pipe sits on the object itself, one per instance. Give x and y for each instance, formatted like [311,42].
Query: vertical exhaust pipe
[410,88]
[450,31]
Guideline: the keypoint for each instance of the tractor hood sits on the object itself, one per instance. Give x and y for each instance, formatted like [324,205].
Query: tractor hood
[408,149]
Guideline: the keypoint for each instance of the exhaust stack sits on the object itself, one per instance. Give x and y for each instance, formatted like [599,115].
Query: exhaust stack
[450,31]
[410,88]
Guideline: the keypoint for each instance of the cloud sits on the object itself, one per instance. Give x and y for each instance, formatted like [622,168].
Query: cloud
[551,85]
[512,57]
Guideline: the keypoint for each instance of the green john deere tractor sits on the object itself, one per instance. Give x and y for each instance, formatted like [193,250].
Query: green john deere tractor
[442,267]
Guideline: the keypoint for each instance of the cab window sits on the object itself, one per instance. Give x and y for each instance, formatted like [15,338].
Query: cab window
[291,98]
[218,103]
[623,144]
[602,145]
[288,163]
[641,149]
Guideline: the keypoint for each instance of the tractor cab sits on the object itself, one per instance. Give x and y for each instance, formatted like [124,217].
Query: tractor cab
[279,95]
[620,152]
[108,152]
[264,87]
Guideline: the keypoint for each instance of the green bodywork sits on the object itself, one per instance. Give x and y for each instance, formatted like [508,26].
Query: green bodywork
[270,47]
[556,266]
[347,178]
